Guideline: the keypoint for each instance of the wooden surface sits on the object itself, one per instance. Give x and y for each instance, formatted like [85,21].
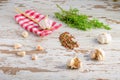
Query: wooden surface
[51,63]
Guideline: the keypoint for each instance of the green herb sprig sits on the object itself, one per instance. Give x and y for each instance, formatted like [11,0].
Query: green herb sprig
[80,21]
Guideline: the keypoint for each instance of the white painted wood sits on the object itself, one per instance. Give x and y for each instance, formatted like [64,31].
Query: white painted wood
[54,61]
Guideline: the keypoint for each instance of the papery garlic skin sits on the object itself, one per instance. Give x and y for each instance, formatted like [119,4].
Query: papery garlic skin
[74,63]
[104,38]
[45,23]
[97,54]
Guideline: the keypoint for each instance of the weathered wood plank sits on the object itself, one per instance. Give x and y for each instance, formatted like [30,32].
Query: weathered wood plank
[52,65]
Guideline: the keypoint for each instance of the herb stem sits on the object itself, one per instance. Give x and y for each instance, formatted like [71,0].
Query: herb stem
[74,19]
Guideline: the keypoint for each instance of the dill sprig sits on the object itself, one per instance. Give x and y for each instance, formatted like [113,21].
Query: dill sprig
[74,19]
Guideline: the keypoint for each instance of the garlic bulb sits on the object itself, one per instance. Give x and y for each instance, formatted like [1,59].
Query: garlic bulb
[46,23]
[104,38]
[97,54]
[74,63]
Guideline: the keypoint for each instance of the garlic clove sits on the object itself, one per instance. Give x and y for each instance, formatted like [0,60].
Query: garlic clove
[46,23]
[74,63]
[100,58]
[101,39]
[21,53]
[93,55]
[34,57]
[109,38]
[25,34]
[17,45]
[39,48]
[68,63]
[42,24]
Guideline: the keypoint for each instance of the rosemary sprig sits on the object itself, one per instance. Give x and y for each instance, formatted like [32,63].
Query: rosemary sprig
[74,19]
